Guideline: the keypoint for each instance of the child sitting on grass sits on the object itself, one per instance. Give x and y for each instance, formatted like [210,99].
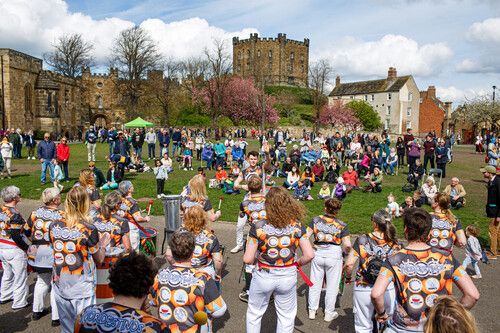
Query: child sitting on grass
[408,203]
[220,176]
[392,206]
[324,192]
[235,170]
[473,251]
[340,189]
[228,186]
[301,192]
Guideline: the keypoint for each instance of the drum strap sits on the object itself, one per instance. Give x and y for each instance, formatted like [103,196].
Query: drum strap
[299,269]
[4,241]
[141,228]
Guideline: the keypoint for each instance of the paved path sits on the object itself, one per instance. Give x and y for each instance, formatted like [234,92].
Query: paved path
[486,311]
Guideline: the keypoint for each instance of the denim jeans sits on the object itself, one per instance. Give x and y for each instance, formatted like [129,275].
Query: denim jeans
[175,146]
[282,154]
[151,150]
[390,166]
[138,151]
[45,164]
[469,260]
[111,145]
[219,161]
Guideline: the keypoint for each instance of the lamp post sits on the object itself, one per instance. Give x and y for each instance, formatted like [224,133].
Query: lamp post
[494,88]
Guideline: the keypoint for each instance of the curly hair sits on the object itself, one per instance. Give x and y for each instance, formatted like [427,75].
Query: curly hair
[195,219]
[332,206]
[282,209]
[127,269]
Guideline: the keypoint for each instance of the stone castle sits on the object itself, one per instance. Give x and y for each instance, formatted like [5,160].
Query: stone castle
[272,61]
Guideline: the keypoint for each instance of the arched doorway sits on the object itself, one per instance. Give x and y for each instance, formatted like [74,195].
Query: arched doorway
[99,121]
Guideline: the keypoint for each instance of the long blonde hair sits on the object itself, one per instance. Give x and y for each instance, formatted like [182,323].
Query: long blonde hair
[195,219]
[447,315]
[87,178]
[77,206]
[282,209]
[198,189]
[443,202]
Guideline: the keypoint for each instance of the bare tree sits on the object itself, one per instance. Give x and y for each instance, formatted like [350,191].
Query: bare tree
[71,54]
[192,72]
[134,54]
[320,73]
[479,110]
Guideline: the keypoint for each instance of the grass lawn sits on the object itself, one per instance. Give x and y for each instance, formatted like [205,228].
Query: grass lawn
[356,210]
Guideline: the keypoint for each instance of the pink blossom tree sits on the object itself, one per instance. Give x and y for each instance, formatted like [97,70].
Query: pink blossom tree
[338,115]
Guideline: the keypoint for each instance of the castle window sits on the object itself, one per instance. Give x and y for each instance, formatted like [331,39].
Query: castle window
[56,104]
[66,96]
[366,98]
[290,68]
[239,54]
[292,55]
[387,123]
[290,80]
[27,98]
[99,101]
[270,53]
[373,98]
[99,84]
[49,102]
[248,54]
[239,68]
[270,66]
[258,53]
[408,124]
[301,58]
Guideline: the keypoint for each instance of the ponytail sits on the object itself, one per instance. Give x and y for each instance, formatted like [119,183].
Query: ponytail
[384,223]
[443,202]
[111,200]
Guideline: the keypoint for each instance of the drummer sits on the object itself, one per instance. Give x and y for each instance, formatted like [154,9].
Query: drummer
[253,169]
[130,210]
[40,255]
[108,221]
[197,196]
[86,180]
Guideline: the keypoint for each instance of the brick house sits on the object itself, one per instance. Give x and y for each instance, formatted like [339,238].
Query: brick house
[433,112]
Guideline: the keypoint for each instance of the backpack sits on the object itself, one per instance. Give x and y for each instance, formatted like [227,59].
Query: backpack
[370,273]
[407,188]
[331,177]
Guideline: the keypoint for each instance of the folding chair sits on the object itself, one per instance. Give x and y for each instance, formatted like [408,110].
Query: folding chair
[437,172]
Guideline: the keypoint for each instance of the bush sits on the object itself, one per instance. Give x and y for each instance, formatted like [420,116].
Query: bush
[369,118]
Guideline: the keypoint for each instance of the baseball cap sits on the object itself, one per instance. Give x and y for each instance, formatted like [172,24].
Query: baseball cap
[489,168]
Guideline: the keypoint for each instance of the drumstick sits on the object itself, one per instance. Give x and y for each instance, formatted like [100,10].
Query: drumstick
[149,207]
[220,202]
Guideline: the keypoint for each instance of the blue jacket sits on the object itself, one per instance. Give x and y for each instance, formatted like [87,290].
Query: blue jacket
[47,150]
[163,139]
[122,148]
[176,136]
[112,135]
[301,192]
[443,152]
[30,141]
[237,153]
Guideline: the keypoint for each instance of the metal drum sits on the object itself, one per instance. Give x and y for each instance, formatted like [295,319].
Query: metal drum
[103,292]
[172,210]
[148,241]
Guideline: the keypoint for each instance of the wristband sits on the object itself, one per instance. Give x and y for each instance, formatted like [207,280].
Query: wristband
[381,314]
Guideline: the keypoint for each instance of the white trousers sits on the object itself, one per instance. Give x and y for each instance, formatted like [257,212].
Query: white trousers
[280,282]
[240,229]
[135,237]
[69,309]
[15,277]
[91,151]
[326,262]
[42,286]
[364,310]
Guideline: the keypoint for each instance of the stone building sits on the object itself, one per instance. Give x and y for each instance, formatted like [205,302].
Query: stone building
[277,61]
[433,113]
[395,98]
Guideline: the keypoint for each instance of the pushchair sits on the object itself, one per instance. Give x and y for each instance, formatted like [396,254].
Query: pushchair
[310,157]
[436,173]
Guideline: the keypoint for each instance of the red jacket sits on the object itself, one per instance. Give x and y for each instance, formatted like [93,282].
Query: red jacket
[351,178]
[62,152]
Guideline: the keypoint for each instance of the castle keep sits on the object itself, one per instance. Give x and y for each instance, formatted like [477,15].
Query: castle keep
[273,61]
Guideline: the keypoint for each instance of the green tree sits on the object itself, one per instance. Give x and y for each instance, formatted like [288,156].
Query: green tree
[368,117]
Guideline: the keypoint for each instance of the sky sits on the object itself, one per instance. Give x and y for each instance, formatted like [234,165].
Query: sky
[451,44]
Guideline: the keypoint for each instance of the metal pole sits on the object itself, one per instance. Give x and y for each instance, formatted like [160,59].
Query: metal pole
[494,88]
[3,96]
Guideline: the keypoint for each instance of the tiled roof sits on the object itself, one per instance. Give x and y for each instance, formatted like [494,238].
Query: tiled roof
[369,87]
[43,81]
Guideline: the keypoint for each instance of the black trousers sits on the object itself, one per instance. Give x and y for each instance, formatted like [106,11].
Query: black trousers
[442,166]
[428,158]
[160,185]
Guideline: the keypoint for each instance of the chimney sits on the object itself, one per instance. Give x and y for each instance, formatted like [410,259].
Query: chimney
[392,74]
[431,92]
[337,81]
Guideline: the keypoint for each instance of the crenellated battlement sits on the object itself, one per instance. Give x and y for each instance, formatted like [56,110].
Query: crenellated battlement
[254,37]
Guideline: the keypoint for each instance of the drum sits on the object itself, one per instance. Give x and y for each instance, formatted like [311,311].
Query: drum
[148,242]
[103,291]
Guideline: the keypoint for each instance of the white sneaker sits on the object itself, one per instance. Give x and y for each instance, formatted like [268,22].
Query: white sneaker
[159,196]
[312,314]
[476,276]
[331,316]
[236,249]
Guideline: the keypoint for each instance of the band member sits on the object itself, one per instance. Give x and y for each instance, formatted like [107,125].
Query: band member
[330,238]
[372,250]
[74,240]
[131,211]
[446,228]
[253,169]
[179,304]
[87,181]
[415,293]
[274,242]
[128,309]
[12,250]
[40,255]
[196,195]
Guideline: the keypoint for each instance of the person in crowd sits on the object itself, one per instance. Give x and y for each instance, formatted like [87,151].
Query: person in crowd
[30,142]
[391,162]
[374,181]
[331,238]
[161,175]
[235,170]
[292,178]
[87,181]
[130,301]
[456,192]
[333,172]
[199,143]
[91,143]
[415,175]
[492,208]
[493,154]
[351,178]
[40,256]
[413,289]
[429,151]
[479,144]
[364,164]
[166,161]
[100,180]
[429,190]
[401,151]
[324,191]
[302,192]
[220,176]
[371,250]
[122,148]
[6,151]
[392,206]
[295,154]
[407,139]
[63,154]
[408,203]
[308,177]
[138,141]
[325,154]
[76,245]
[473,251]
[237,153]
[197,196]
[377,161]
[446,228]
[176,140]
[112,137]
[447,315]
[14,285]
[113,177]
[46,154]
[150,139]
[340,190]
[132,213]
[282,233]
[442,157]
[251,168]
[286,167]
[16,139]
[220,154]
[318,170]
[414,148]
[58,175]
[187,155]
[198,294]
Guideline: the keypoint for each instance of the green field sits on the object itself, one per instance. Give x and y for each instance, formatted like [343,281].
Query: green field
[356,211]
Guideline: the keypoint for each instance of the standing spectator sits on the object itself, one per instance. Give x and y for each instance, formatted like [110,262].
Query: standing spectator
[199,143]
[473,251]
[176,141]
[492,154]
[413,153]
[429,149]
[6,149]
[30,142]
[112,136]
[220,154]
[14,139]
[63,154]
[138,142]
[401,149]
[46,154]
[492,208]
[456,192]
[91,142]
[442,157]
[407,138]
[161,175]
[479,144]
[151,141]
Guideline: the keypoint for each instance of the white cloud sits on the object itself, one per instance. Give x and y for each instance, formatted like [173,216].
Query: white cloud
[457,95]
[485,31]
[32,26]
[352,56]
